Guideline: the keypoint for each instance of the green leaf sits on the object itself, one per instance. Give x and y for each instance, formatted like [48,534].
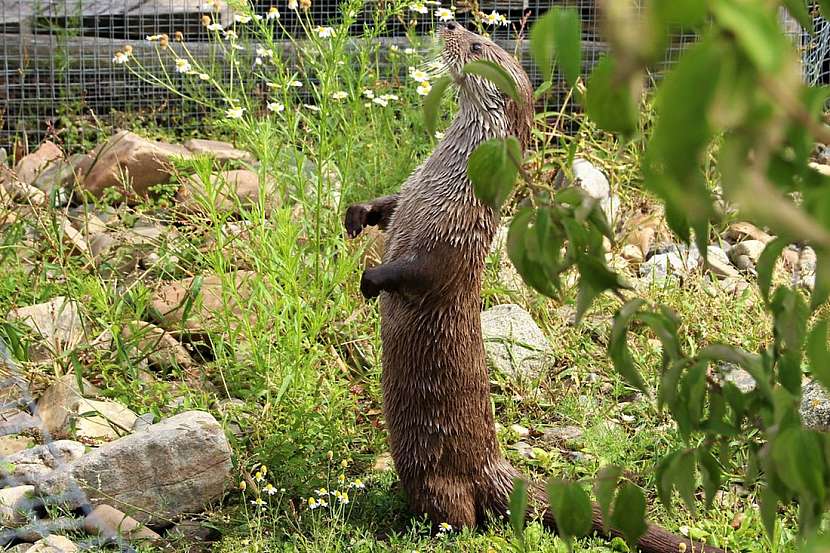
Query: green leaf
[769,510]
[629,515]
[605,484]
[818,354]
[496,74]
[518,508]
[798,10]
[680,12]
[432,103]
[790,315]
[825,8]
[766,265]
[822,286]
[558,33]
[571,508]
[609,102]
[492,169]
[799,461]
[531,271]
[665,479]
[683,475]
[711,473]
[618,345]
[191,297]
[756,28]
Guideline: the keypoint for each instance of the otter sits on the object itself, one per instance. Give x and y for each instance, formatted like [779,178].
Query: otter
[436,391]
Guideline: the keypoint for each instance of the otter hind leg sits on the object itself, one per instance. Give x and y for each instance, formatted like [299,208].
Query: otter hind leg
[449,499]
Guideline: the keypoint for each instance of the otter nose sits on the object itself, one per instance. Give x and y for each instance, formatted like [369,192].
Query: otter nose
[450,26]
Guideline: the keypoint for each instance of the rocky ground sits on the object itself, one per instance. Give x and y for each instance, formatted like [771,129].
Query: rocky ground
[75,462]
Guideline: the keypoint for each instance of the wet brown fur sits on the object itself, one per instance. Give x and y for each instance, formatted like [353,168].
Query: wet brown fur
[435,382]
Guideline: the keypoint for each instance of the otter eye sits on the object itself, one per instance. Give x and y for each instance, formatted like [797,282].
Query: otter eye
[476,47]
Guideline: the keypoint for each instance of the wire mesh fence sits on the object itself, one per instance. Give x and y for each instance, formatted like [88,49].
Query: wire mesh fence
[58,78]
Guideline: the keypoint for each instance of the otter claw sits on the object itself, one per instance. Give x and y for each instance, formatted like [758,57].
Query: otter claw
[356,219]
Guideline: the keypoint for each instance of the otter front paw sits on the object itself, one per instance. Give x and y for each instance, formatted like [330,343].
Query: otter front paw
[370,283]
[357,217]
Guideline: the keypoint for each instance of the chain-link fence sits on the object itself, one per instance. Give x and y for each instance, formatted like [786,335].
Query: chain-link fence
[58,78]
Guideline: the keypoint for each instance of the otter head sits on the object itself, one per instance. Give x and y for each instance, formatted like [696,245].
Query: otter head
[479,94]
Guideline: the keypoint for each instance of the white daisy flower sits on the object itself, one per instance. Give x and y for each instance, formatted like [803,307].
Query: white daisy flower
[295,84]
[292,4]
[324,32]
[357,483]
[409,51]
[242,18]
[368,93]
[258,61]
[444,14]
[153,38]
[393,48]
[339,95]
[439,135]
[313,503]
[270,489]
[204,76]
[314,108]
[264,52]
[182,66]
[444,527]
[381,101]
[273,14]
[418,75]
[275,107]
[418,7]
[230,34]
[120,57]
[215,27]
[390,97]
[494,18]
[235,113]
[424,88]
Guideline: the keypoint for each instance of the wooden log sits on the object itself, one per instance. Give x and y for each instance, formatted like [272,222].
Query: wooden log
[20,11]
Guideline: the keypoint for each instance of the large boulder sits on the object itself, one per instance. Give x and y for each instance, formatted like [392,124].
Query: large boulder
[130,164]
[15,504]
[176,466]
[815,407]
[30,166]
[222,152]
[217,296]
[230,191]
[513,342]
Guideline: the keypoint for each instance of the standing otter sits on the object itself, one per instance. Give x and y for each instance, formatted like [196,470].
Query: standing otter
[436,388]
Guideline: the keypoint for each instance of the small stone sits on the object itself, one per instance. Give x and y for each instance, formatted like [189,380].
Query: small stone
[222,152]
[160,348]
[520,430]
[217,294]
[674,260]
[524,449]
[15,505]
[632,253]
[59,403]
[102,420]
[176,466]
[739,232]
[561,435]
[143,422]
[815,407]
[12,190]
[718,263]
[10,445]
[57,321]
[749,248]
[31,465]
[228,191]
[737,376]
[54,544]
[591,179]
[513,342]
[383,462]
[30,166]
[109,523]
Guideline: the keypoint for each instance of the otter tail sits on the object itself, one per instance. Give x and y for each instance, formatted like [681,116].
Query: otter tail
[655,539]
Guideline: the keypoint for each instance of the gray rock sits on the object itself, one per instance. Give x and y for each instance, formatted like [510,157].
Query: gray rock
[17,421]
[143,422]
[513,342]
[591,179]
[719,263]
[176,466]
[729,372]
[745,254]
[524,449]
[31,465]
[9,445]
[674,260]
[815,407]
